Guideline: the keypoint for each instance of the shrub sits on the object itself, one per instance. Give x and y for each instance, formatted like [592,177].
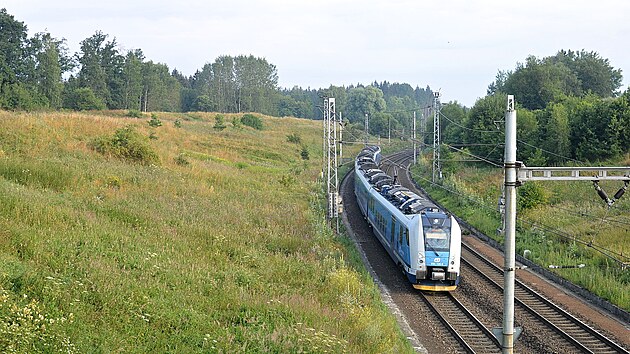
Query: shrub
[531,194]
[252,121]
[134,113]
[126,144]
[83,99]
[294,138]
[219,122]
[304,153]
[177,123]
[181,160]
[154,121]
[236,122]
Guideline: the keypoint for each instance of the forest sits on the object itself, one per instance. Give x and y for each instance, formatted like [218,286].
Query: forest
[569,103]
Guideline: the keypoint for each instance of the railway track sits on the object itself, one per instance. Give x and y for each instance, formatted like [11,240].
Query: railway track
[573,331]
[471,334]
[576,332]
[465,328]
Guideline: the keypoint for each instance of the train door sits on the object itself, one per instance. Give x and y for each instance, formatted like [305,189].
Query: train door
[405,246]
[399,244]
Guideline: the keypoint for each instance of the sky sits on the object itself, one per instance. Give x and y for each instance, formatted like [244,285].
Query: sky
[456,47]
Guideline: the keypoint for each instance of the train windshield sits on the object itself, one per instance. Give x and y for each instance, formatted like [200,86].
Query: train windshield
[437,235]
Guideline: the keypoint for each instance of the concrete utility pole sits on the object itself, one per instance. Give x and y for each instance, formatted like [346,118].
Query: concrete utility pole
[437,169]
[515,175]
[415,151]
[423,126]
[389,130]
[508,336]
[340,138]
[367,130]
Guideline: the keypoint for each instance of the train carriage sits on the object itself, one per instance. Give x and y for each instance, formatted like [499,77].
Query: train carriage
[423,240]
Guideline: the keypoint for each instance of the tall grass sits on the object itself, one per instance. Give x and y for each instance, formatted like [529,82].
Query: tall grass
[227,253]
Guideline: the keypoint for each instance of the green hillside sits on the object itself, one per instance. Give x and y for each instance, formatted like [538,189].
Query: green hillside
[116,236]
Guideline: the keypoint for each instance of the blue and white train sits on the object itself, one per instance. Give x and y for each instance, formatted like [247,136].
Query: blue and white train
[424,241]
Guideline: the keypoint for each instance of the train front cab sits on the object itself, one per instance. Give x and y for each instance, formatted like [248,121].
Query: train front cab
[439,264]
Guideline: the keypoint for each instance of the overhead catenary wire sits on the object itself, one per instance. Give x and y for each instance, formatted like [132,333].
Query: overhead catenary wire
[550,152]
[581,213]
[493,163]
[602,250]
[470,129]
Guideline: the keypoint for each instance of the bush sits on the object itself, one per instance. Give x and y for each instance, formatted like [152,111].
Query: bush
[126,144]
[304,153]
[154,121]
[182,160]
[177,123]
[219,122]
[236,122]
[134,113]
[252,121]
[294,138]
[531,194]
[83,99]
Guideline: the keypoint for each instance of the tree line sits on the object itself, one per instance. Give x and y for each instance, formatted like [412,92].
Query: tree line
[40,73]
[570,110]
[569,103]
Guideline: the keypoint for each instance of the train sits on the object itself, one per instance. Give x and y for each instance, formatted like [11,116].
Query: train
[422,239]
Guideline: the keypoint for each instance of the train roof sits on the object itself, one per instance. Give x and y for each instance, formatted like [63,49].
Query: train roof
[399,196]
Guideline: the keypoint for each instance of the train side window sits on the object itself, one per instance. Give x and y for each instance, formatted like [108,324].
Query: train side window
[393,233]
[400,235]
[407,236]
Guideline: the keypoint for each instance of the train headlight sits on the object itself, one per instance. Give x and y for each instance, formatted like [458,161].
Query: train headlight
[420,260]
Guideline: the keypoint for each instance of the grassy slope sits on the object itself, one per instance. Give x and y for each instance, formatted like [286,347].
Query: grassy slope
[227,253]
[572,208]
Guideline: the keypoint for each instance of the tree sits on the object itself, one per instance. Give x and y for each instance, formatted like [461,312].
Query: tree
[256,83]
[481,128]
[16,65]
[452,122]
[132,74]
[82,99]
[223,86]
[161,91]
[554,133]
[596,129]
[92,74]
[49,57]
[362,100]
[539,82]
[594,73]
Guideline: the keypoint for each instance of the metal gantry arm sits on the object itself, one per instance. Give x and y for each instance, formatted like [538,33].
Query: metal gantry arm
[573,174]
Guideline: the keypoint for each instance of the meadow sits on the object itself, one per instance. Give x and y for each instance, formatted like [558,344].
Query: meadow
[559,223]
[120,236]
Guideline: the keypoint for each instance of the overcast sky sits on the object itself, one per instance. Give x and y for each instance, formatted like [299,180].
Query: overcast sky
[453,46]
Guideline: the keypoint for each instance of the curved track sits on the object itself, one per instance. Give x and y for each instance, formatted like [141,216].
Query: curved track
[571,330]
